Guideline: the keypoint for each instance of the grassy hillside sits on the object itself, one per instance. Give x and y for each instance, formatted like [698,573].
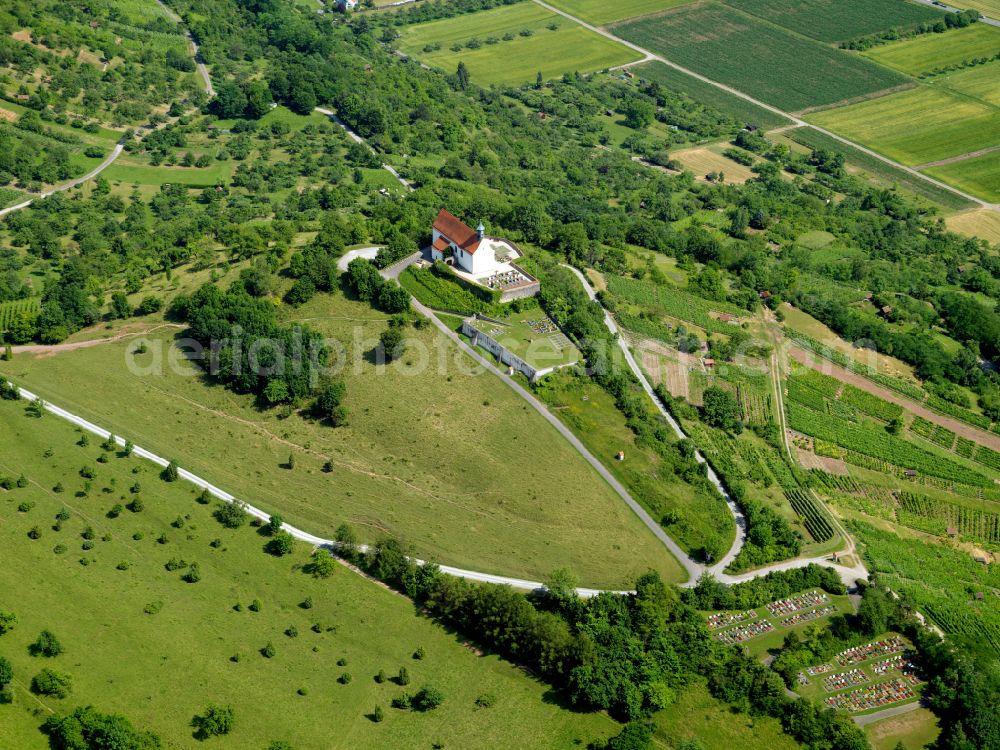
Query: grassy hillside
[161,669]
[451,461]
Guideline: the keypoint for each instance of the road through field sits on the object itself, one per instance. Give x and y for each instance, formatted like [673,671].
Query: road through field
[800,355]
[649,55]
[195,49]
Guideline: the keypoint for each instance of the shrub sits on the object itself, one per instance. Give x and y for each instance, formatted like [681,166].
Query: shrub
[46,645]
[268,651]
[51,683]
[428,698]
[215,722]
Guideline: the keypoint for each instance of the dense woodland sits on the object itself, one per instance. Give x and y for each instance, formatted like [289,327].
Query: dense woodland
[552,183]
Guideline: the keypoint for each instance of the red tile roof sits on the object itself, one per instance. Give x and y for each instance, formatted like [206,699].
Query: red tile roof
[441,244]
[457,231]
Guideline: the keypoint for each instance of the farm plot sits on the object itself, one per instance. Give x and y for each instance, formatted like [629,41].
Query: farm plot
[833,22]
[11,311]
[981,82]
[765,61]
[730,104]
[814,518]
[930,52]
[512,44]
[673,302]
[917,126]
[704,161]
[983,223]
[600,12]
[979,175]
[990,8]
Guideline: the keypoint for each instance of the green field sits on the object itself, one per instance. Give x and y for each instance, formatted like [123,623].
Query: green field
[879,171]
[979,175]
[933,51]
[161,669]
[706,93]
[989,8]
[834,22]
[916,126]
[767,62]
[453,462]
[567,49]
[600,12]
[135,172]
[981,82]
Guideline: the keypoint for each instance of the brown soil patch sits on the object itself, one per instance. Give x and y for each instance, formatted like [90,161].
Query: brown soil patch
[6,114]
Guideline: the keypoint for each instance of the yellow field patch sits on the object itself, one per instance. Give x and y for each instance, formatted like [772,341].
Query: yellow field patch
[703,161]
[982,223]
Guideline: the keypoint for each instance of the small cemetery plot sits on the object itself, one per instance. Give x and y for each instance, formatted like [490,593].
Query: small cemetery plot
[870,651]
[745,632]
[812,614]
[875,696]
[844,680]
[725,619]
[797,603]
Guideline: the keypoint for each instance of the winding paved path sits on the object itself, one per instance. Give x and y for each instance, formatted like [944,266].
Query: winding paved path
[649,56]
[195,49]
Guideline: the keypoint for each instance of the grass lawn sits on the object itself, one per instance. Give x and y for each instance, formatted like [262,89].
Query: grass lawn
[590,412]
[161,669]
[916,126]
[569,48]
[982,223]
[600,12]
[139,172]
[979,175]
[446,458]
[706,93]
[540,350]
[696,715]
[929,52]
[833,22]
[915,730]
[765,61]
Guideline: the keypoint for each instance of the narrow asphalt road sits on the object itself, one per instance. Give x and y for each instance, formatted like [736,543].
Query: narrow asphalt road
[358,139]
[649,55]
[888,713]
[195,49]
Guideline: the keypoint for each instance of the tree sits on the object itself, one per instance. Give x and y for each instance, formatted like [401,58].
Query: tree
[8,353]
[88,729]
[721,409]
[171,473]
[46,645]
[280,544]
[231,515]
[393,344]
[230,102]
[259,100]
[873,612]
[428,698]
[638,113]
[51,683]
[378,715]
[462,75]
[328,403]
[273,525]
[322,564]
[637,735]
[6,673]
[7,622]
[129,448]
[214,722]
[120,307]
[403,678]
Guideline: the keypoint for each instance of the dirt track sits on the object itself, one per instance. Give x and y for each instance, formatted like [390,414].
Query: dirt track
[125,333]
[959,428]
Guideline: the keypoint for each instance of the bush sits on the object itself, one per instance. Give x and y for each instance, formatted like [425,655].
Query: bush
[428,698]
[46,645]
[216,721]
[51,683]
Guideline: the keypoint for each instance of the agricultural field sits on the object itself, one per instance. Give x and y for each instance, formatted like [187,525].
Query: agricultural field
[933,52]
[11,311]
[982,223]
[675,303]
[840,21]
[940,581]
[769,63]
[732,105]
[981,82]
[510,45]
[601,12]
[516,500]
[109,582]
[917,126]
[979,175]
[989,8]
[706,160]
[879,172]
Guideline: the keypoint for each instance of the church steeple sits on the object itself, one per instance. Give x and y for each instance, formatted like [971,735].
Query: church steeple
[481,230]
